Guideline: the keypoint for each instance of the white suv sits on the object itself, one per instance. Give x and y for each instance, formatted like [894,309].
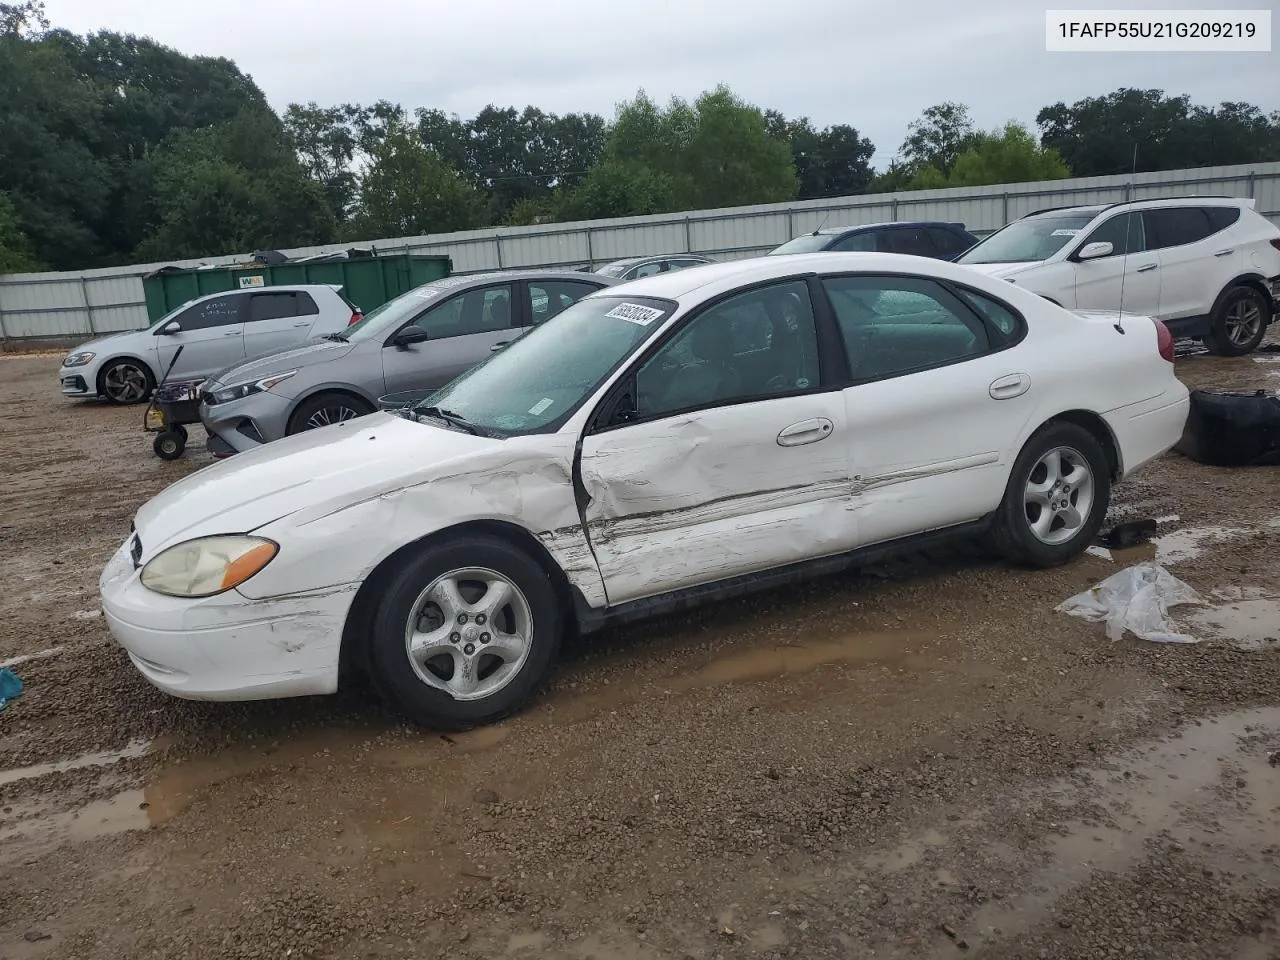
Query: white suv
[213,332]
[1209,267]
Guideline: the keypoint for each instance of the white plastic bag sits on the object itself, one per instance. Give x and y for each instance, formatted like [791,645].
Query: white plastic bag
[1136,599]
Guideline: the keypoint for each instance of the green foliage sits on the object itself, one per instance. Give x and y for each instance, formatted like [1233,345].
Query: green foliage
[410,190]
[938,137]
[15,251]
[1008,155]
[831,162]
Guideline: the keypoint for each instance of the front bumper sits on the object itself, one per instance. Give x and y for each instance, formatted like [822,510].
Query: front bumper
[248,422]
[78,381]
[226,647]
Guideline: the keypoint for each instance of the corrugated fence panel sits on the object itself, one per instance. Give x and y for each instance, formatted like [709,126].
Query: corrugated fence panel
[91,302]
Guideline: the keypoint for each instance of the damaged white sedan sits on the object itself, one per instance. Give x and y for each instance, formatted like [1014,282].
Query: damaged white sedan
[686,436]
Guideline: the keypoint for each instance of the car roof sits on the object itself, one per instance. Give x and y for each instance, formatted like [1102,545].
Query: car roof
[464,281]
[632,261]
[725,275]
[1093,209]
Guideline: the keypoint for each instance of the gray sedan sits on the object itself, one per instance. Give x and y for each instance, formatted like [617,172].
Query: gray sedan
[419,341]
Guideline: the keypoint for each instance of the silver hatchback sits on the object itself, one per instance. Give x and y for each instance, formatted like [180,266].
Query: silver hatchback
[419,341]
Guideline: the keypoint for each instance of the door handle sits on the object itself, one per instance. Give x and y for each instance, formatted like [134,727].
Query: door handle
[1006,388]
[1145,267]
[232,333]
[304,323]
[1223,253]
[498,346]
[806,431]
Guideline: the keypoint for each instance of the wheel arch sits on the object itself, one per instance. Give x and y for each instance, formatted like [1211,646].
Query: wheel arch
[1098,428]
[102,368]
[344,390]
[1254,281]
[350,654]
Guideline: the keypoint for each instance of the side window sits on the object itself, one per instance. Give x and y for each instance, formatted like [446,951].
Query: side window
[484,310]
[897,325]
[218,312]
[683,264]
[1222,217]
[1176,226]
[859,241]
[1125,232]
[548,298]
[909,240]
[272,306]
[645,270]
[756,345]
[306,305]
[996,313]
[948,244]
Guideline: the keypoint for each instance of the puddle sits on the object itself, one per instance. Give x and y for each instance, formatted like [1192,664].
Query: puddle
[136,748]
[1177,546]
[122,813]
[1252,624]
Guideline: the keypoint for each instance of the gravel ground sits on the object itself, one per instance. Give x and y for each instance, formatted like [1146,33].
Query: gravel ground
[920,760]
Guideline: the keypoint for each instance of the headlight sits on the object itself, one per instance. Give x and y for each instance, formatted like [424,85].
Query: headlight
[208,565]
[238,391]
[78,359]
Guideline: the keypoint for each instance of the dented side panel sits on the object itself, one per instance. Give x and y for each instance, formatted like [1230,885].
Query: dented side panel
[709,495]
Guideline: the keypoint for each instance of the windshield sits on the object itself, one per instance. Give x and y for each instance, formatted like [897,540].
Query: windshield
[1033,239]
[809,243]
[546,374]
[384,320]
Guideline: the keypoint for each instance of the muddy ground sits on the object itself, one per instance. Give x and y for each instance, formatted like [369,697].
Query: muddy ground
[921,760]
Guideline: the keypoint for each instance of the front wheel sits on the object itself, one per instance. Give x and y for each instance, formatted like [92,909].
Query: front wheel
[464,633]
[1056,499]
[1239,323]
[169,445]
[126,381]
[325,409]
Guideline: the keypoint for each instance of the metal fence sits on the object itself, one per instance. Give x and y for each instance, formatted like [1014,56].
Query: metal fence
[91,302]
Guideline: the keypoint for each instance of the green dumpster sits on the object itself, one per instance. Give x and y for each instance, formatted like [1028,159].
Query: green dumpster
[367,281]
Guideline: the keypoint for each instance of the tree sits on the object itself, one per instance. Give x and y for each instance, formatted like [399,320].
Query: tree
[937,137]
[15,251]
[409,190]
[831,162]
[325,139]
[1008,155]
[17,18]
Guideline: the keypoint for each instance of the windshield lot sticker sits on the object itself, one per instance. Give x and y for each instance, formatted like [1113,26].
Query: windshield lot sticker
[541,405]
[634,313]
[1065,233]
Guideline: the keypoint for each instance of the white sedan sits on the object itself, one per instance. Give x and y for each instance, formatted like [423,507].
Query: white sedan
[689,435]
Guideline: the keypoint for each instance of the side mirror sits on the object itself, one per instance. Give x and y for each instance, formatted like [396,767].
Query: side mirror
[170,328]
[1091,251]
[408,337]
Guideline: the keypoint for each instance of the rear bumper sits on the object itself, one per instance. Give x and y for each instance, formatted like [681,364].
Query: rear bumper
[1148,429]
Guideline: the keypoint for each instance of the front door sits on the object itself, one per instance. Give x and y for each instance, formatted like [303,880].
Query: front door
[938,398]
[1118,282]
[727,453]
[211,336]
[461,331]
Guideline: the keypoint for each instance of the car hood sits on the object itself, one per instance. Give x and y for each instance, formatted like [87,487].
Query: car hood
[1000,270]
[306,354]
[337,465]
[107,343]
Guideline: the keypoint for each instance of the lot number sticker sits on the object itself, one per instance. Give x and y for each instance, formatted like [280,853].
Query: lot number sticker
[634,313]
[1065,233]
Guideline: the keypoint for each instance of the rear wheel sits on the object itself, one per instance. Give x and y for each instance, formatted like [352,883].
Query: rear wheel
[169,445]
[1056,499]
[325,409]
[1239,323]
[126,381]
[464,633]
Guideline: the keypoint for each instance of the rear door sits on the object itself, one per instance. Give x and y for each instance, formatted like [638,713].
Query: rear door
[913,241]
[1195,264]
[277,319]
[546,298]
[211,337]
[461,332]
[949,243]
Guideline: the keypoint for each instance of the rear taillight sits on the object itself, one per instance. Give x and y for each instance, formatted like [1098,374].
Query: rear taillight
[356,317]
[1164,340]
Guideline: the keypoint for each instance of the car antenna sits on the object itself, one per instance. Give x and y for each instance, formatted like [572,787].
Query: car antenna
[823,223]
[1128,225]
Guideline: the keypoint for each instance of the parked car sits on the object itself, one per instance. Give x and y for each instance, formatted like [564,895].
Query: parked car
[418,341]
[1209,267]
[632,268]
[688,435]
[920,238]
[214,330]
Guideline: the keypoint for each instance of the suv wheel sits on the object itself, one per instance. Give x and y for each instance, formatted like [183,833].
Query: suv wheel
[1239,323]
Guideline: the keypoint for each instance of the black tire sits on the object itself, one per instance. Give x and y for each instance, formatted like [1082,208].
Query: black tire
[169,445]
[1239,322]
[333,406]
[397,677]
[1013,534]
[181,431]
[126,381]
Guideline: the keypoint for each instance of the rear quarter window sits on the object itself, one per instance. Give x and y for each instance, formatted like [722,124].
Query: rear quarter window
[1222,217]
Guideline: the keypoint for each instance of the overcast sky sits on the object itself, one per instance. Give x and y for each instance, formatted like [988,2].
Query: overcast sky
[869,63]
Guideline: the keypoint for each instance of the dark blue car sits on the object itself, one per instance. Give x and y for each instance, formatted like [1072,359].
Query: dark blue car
[920,238]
